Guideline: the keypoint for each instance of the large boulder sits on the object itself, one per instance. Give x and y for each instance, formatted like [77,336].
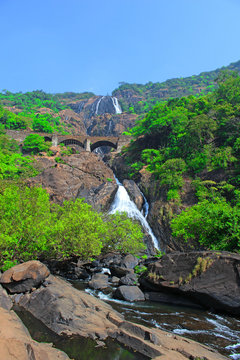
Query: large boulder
[99,281]
[207,277]
[134,193]
[24,277]
[16,343]
[129,293]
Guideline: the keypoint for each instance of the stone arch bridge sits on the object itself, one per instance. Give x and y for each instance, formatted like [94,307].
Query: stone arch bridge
[89,143]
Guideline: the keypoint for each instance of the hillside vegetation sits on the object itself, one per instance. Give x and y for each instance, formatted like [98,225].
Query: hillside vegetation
[139,98]
[196,138]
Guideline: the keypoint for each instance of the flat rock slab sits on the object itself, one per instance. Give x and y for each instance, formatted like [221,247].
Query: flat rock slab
[24,277]
[16,343]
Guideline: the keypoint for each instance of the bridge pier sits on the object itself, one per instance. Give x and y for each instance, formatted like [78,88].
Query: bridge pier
[87,145]
[54,140]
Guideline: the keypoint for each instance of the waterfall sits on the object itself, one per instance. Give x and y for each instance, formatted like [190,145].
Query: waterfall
[123,203]
[116,105]
[98,103]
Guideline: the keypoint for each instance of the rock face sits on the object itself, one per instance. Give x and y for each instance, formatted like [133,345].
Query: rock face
[80,175]
[16,343]
[134,193]
[24,277]
[211,279]
[66,310]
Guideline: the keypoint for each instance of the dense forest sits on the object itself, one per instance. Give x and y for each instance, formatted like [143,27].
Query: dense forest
[196,138]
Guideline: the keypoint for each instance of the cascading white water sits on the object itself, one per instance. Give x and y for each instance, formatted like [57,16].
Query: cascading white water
[116,105]
[98,103]
[123,203]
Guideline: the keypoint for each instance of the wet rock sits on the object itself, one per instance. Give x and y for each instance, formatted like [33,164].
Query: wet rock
[209,278]
[129,261]
[129,279]
[134,193]
[5,301]
[99,282]
[16,343]
[115,280]
[81,273]
[110,259]
[24,277]
[170,299]
[120,271]
[129,293]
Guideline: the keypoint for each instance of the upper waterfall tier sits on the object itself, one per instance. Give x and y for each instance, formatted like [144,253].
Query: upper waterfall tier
[107,104]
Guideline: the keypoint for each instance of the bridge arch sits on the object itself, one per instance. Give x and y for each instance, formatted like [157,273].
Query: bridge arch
[99,143]
[47,138]
[72,142]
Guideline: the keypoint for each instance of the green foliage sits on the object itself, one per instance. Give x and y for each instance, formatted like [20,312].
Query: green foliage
[196,138]
[140,269]
[12,164]
[36,110]
[33,228]
[35,143]
[215,224]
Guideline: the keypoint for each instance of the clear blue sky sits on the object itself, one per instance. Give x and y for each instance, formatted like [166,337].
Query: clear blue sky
[91,45]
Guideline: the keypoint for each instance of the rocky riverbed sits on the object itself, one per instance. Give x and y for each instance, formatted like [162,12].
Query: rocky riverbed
[66,311]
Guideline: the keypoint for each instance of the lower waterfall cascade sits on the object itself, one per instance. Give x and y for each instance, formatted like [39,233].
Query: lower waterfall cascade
[123,203]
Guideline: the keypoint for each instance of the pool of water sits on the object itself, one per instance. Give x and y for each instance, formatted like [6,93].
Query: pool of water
[77,348]
[221,332]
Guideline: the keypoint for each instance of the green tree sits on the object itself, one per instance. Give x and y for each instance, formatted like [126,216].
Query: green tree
[35,143]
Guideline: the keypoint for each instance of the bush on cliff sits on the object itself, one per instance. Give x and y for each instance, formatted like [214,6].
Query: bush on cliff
[32,228]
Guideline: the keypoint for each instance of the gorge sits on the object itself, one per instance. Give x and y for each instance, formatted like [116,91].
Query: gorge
[178,173]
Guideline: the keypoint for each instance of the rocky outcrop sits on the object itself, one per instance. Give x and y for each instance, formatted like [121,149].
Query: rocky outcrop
[134,193]
[80,175]
[66,310]
[24,277]
[211,279]
[16,343]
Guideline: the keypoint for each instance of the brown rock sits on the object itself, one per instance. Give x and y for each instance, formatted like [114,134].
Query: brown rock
[16,343]
[207,277]
[24,277]
[99,281]
[129,293]
[82,175]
